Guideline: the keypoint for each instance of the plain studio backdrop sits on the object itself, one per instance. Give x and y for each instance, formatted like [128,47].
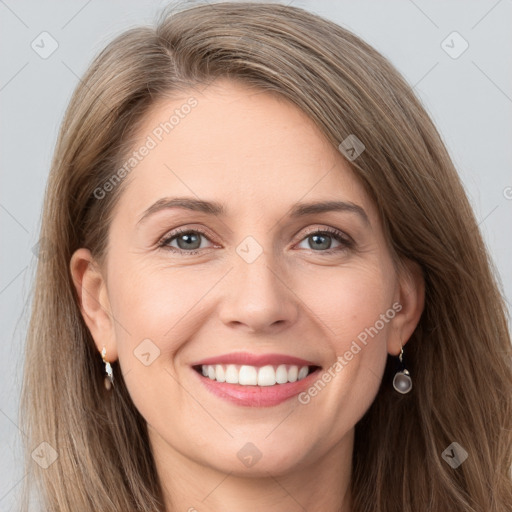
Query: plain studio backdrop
[457,55]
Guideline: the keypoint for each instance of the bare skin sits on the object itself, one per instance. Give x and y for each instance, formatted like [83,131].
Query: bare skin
[259,156]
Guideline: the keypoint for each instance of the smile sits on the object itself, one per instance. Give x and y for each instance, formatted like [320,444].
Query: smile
[246,375]
[255,380]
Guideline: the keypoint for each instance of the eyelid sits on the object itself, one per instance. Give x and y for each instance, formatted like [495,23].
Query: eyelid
[185,229]
[327,229]
[166,239]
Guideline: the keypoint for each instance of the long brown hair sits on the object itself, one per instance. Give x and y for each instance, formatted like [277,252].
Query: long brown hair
[459,354]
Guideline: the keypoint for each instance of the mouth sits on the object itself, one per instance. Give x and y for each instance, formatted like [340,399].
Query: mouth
[256,380]
[247,375]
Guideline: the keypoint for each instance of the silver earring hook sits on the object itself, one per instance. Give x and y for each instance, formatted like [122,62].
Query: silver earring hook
[109,379]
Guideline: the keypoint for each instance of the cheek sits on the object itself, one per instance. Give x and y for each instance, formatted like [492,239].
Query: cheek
[348,300]
[354,308]
[153,300]
[156,311]
[153,320]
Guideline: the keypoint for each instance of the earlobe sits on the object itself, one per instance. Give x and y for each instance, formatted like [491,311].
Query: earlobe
[411,292]
[93,300]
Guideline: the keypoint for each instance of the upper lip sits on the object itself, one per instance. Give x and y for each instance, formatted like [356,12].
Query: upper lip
[246,358]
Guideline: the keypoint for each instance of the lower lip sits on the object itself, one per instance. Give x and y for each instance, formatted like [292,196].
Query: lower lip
[257,396]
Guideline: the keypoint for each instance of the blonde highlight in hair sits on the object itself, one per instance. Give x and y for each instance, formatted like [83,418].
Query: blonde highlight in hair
[460,353]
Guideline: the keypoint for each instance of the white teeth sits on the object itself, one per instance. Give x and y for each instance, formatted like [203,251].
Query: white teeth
[266,376]
[281,374]
[246,375]
[303,372]
[220,375]
[232,374]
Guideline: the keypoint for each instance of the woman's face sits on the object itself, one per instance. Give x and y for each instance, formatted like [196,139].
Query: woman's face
[260,286]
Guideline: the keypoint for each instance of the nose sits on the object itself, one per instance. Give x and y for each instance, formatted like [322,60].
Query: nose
[257,298]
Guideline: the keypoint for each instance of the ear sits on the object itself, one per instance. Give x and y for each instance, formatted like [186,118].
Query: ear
[94,303]
[411,296]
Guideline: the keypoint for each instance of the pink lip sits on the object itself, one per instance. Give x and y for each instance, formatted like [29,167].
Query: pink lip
[255,360]
[257,396]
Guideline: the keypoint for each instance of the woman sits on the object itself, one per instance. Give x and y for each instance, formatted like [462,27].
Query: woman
[268,290]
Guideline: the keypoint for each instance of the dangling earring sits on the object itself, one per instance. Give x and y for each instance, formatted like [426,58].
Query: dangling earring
[109,378]
[402,381]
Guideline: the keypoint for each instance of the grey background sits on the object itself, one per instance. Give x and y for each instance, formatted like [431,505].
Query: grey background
[469,98]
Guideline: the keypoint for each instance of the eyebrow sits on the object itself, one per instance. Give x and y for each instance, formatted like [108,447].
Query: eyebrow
[215,208]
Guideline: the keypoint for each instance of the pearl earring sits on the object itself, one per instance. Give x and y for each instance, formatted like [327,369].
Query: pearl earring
[109,378]
[402,381]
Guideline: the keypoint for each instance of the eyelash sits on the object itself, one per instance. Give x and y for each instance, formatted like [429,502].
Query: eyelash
[334,233]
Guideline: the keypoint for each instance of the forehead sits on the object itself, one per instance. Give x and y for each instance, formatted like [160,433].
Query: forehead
[244,147]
